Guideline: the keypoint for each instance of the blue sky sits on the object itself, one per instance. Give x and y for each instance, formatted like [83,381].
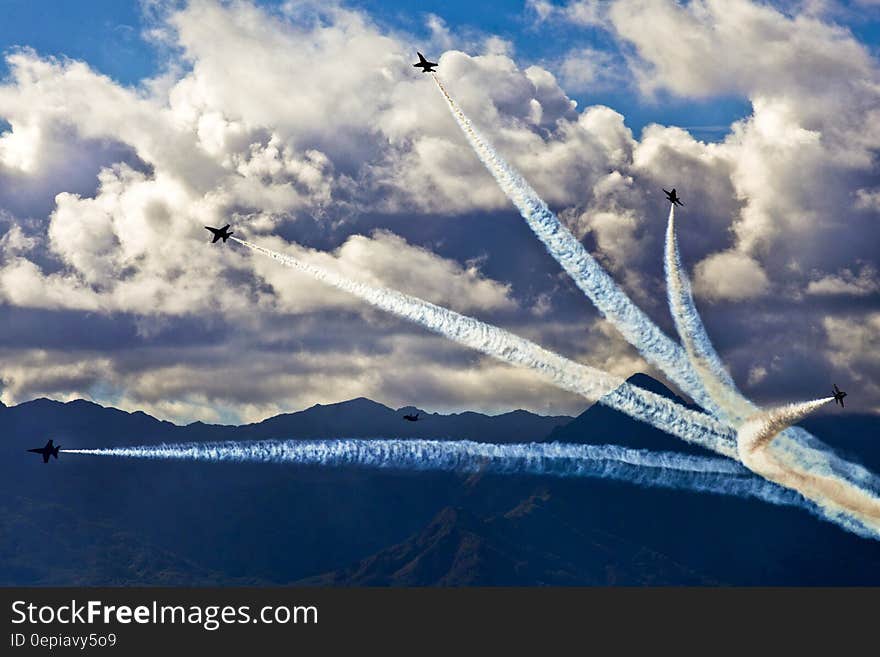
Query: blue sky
[109,35]
[105,33]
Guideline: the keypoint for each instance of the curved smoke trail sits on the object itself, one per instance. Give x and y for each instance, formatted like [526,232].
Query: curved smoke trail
[841,500]
[704,377]
[642,467]
[588,275]
[589,382]
[717,382]
[794,448]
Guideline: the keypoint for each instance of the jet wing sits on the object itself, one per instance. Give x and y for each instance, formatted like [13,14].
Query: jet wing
[44,452]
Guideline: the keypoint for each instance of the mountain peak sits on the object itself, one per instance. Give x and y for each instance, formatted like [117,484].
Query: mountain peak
[358,403]
[601,424]
[651,384]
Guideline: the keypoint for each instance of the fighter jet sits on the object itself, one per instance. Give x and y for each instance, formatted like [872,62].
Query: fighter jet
[48,450]
[424,64]
[838,395]
[672,197]
[220,233]
[411,418]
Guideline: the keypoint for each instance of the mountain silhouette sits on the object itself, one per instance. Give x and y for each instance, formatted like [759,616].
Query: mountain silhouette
[601,424]
[85,424]
[524,544]
[129,522]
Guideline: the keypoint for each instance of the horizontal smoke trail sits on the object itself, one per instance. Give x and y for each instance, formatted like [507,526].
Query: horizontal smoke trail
[589,382]
[705,360]
[807,472]
[659,469]
[588,275]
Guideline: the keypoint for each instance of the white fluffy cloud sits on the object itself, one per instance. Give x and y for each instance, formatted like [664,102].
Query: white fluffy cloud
[711,47]
[855,352]
[793,173]
[261,121]
[846,282]
[730,275]
[382,259]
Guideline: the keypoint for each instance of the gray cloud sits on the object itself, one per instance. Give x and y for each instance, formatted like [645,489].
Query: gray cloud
[106,189]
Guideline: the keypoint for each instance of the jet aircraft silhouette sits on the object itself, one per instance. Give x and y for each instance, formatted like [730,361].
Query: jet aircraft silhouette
[47,451]
[672,197]
[220,233]
[424,64]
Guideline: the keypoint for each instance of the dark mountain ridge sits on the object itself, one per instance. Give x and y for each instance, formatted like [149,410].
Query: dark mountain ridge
[128,521]
[91,425]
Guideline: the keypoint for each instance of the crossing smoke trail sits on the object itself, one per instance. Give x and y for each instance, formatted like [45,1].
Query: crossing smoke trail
[705,360]
[589,382]
[841,500]
[587,274]
[702,376]
[697,369]
[794,448]
[642,467]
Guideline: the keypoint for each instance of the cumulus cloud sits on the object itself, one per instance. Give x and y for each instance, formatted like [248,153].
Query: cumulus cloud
[589,69]
[15,242]
[384,259]
[257,122]
[854,339]
[290,370]
[814,90]
[855,352]
[847,282]
[729,275]
[708,47]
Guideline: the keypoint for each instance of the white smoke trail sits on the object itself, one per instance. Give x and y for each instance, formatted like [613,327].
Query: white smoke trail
[660,469]
[702,355]
[589,382]
[588,275]
[794,447]
[807,472]
[703,376]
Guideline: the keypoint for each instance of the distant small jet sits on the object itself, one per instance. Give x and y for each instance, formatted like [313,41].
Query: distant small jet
[220,233]
[672,197]
[411,418]
[47,451]
[838,395]
[424,64]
